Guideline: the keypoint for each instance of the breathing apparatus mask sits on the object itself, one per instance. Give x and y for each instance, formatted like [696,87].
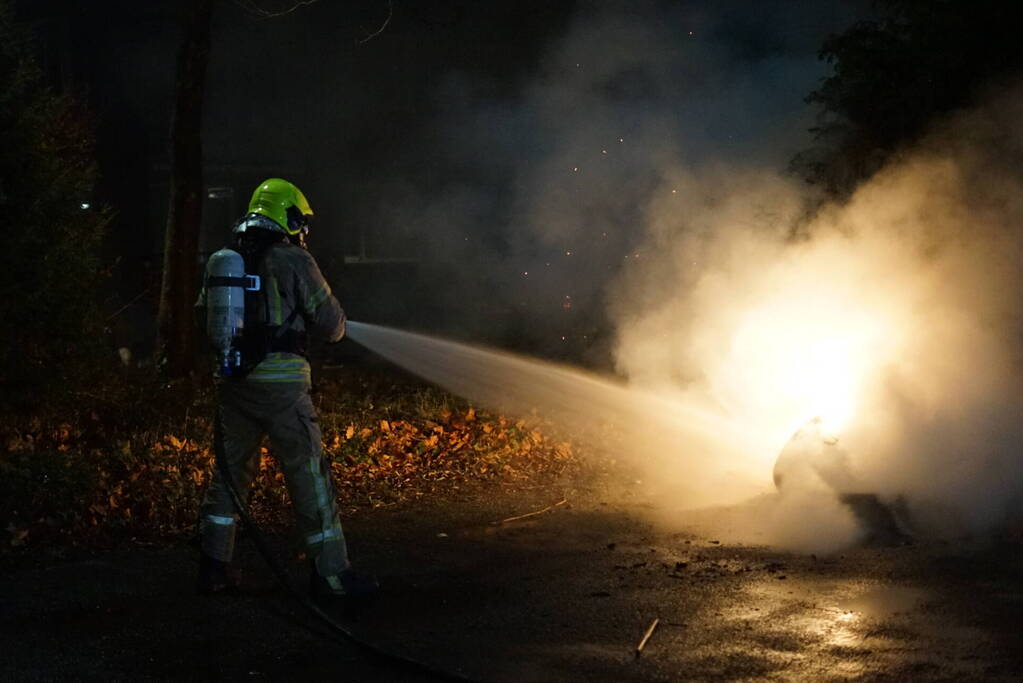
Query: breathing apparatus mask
[298,226]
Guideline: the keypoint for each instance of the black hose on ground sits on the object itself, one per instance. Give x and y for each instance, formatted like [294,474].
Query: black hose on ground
[282,576]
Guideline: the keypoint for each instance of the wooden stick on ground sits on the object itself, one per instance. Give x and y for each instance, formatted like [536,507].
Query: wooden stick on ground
[531,514]
[646,636]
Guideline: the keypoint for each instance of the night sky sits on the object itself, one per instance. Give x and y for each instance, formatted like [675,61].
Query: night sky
[483,165]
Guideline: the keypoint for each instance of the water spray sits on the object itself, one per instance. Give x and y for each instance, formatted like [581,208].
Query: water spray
[723,460]
[716,459]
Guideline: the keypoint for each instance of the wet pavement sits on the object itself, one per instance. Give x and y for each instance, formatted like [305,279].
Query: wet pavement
[566,595]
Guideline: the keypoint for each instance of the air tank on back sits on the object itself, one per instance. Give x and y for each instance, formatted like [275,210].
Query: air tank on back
[225,307]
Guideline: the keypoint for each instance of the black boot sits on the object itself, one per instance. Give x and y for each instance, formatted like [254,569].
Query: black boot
[215,577]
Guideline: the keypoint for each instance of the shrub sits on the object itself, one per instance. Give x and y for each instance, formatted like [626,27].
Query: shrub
[49,266]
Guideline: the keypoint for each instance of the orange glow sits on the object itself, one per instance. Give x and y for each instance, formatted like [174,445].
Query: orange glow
[804,351]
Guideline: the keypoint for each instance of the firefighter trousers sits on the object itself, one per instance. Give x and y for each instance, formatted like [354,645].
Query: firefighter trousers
[284,412]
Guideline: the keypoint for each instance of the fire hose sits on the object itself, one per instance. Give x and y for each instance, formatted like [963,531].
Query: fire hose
[281,575]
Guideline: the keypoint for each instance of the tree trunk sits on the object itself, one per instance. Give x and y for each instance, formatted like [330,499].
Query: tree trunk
[181,243]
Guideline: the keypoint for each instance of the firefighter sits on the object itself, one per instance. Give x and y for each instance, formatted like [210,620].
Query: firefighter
[271,397]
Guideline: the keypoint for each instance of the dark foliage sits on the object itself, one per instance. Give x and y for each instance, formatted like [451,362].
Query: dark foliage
[894,75]
[49,265]
[132,457]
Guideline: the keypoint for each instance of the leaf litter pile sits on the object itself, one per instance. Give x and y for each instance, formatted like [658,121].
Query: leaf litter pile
[132,461]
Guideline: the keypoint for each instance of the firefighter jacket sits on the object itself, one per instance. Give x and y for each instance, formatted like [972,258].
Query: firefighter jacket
[296,301]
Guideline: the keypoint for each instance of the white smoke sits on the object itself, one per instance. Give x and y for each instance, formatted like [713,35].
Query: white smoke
[551,179]
[638,166]
[911,289]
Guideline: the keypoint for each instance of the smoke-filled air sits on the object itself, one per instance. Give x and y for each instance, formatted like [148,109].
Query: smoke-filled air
[893,319]
[742,309]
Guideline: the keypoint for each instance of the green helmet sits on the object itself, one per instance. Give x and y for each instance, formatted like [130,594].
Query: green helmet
[283,203]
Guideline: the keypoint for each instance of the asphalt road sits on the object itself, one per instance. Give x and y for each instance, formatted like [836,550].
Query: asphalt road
[561,596]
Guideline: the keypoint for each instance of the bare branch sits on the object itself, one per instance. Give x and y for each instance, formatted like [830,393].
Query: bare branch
[254,7]
[646,636]
[390,13]
[530,514]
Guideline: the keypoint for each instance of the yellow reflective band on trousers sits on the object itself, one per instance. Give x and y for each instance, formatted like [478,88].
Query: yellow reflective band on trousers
[322,536]
[328,517]
[281,367]
[285,413]
[217,519]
